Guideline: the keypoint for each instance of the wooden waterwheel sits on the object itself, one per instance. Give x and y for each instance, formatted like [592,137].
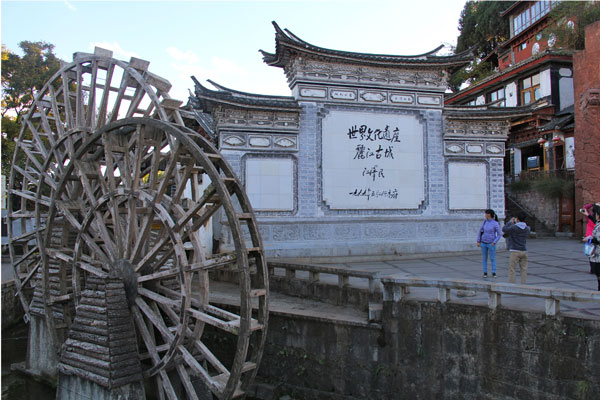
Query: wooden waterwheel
[108,182]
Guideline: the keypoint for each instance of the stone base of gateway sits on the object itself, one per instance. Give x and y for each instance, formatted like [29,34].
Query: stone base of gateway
[380,238]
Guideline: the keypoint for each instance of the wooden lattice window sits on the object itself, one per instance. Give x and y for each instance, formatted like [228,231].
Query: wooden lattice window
[530,89]
[496,98]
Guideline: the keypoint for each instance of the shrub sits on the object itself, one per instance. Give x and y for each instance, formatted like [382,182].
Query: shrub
[519,186]
[553,187]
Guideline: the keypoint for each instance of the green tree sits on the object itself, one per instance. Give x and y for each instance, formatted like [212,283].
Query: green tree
[22,77]
[10,131]
[571,19]
[482,29]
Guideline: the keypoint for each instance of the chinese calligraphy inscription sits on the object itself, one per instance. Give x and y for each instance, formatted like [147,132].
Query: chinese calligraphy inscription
[372,161]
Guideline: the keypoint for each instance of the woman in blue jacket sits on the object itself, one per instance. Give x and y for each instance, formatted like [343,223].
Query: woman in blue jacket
[489,234]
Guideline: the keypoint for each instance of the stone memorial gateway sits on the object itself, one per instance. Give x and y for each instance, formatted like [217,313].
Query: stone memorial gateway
[363,159]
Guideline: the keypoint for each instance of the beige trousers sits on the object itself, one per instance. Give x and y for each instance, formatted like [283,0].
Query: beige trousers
[520,257]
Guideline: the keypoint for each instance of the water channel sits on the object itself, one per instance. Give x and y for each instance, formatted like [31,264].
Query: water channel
[15,385]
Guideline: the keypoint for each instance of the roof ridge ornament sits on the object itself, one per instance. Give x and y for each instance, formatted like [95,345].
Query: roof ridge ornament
[288,44]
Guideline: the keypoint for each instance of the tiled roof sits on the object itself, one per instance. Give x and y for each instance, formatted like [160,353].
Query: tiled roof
[563,120]
[205,99]
[286,44]
[478,112]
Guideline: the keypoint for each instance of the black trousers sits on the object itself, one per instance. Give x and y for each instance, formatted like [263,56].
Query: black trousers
[595,267]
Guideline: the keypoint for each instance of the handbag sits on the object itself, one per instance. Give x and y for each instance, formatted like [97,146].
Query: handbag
[588,248]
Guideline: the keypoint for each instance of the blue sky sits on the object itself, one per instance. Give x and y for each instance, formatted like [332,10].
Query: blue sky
[219,40]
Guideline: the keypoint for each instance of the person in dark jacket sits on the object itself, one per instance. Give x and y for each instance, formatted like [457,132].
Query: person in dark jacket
[517,231]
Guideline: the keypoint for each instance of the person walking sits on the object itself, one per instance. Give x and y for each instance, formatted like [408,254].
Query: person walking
[487,238]
[595,257]
[517,231]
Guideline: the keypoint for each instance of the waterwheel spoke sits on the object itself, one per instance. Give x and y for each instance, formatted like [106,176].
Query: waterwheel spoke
[91,101]
[191,361]
[168,172]
[182,181]
[79,109]
[56,114]
[187,382]
[97,271]
[194,210]
[206,353]
[103,109]
[85,171]
[112,185]
[66,94]
[164,380]
[133,179]
[159,298]
[114,115]
[155,251]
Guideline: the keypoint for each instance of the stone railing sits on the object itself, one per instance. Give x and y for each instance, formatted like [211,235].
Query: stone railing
[328,284]
[396,289]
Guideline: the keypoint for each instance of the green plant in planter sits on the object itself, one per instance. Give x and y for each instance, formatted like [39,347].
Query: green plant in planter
[519,186]
[553,187]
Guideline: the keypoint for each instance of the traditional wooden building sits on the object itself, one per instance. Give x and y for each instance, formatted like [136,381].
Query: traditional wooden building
[530,72]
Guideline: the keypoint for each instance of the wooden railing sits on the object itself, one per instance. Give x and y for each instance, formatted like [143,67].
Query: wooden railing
[396,289]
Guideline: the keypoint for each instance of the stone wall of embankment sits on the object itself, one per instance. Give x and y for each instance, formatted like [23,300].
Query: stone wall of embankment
[432,350]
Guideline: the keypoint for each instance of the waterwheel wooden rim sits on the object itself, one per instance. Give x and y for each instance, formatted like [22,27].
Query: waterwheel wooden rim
[88,178]
[81,97]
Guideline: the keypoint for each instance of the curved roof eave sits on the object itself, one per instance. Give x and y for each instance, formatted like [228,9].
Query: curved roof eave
[286,42]
[242,99]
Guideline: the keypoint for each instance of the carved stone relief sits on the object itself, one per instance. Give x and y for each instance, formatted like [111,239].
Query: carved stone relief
[430,100]
[343,94]
[460,128]
[282,121]
[458,148]
[235,141]
[372,96]
[311,92]
[494,149]
[330,73]
[260,141]
[402,98]
[474,148]
[285,142]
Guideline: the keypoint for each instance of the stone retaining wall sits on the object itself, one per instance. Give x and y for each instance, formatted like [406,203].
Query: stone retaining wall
[432,350]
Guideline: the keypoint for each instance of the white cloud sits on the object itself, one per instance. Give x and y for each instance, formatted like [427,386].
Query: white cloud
[225,67]
[70,6]
[118,51]
[187,56]
[249,77]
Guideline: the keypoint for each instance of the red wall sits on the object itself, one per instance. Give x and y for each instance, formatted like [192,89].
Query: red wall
[586,82]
